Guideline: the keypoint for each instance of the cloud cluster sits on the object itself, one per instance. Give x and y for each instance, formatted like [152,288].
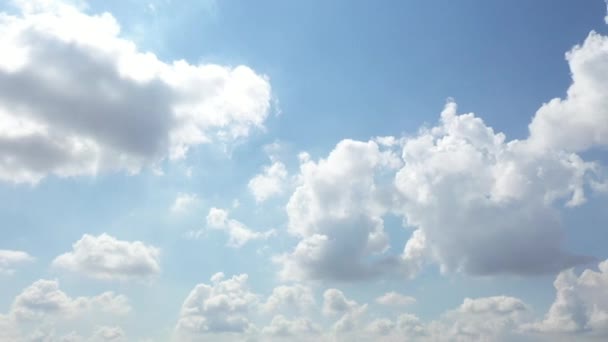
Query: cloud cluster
[76,98]
[476,198]
[228,310]
[471,196]
[43,304]
[105,257]
[290,298]
[220,307]
[581,304]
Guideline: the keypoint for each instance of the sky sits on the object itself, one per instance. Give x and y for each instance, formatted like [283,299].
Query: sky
[221,170]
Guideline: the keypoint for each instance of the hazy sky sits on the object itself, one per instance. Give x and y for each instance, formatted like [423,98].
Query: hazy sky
[344,170]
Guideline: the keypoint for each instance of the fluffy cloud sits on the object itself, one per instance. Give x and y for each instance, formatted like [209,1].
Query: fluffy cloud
[238,233]
[105,257]
[336,212]
[396,299]
[44,299]
[482,319]
[41,308]
[106,333]
[476,197]
[581,304]
[77,99]
[579,121]
[183,203]
[294,329]
[269,183]
[9,259]
[290,298]
[221,307]
[472,197]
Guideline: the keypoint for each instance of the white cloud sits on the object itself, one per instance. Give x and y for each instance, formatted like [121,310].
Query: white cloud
[271,182]
[184,203]
[42,310]
[581,304]
[238,233]
[336,212]
[580,121]
[10,258]
[482,319]
[77,99]
[105,333]
[44,299]
[476,198]
[471,195]
[334,302]
[395,299]
[290,298]
[294,329]
[221,307]
[349,311]
[105,257]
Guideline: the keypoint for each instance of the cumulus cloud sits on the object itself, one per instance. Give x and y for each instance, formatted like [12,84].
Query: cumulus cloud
[10,258]
[476,197]
[106,333]
[580,121]
[581,304]
[472,197]
[42,309]
[336,212]
[395,299]
[45,299]
[238,233]
[290,298]
[183,203]
[294,329]
[220,307]
[271,182]
[77,99]
[105,257]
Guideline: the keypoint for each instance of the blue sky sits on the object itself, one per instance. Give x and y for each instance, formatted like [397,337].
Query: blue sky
[323,156]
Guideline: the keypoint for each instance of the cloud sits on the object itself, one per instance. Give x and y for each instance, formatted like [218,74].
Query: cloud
[183,203]
[42,310]
[238,233]
[293,329]
[475,198]
[105,257]
[44,299]
[106,333]
[336,212]
[581,304]
[77,99]
[580,121]
[220,307]
[471,196]
[290,298]
[395,299]
[269,183]
[9,259]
